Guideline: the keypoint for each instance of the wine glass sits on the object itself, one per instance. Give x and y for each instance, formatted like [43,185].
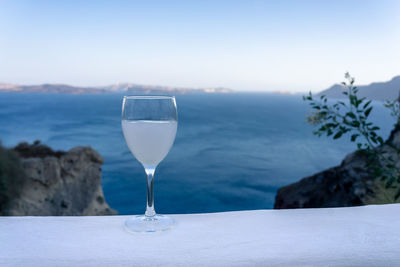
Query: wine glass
[149,124]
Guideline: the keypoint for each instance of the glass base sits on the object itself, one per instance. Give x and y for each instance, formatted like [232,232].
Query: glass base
[143,223]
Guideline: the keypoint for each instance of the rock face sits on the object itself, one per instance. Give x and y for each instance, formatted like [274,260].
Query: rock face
[61,184]
[350,184]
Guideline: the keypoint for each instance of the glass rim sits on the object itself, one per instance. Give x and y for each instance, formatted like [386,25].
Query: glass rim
[149,97]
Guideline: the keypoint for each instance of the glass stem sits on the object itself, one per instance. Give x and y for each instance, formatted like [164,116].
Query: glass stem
[150,212]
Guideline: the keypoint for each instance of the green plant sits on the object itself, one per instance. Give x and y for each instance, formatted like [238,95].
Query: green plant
[394,107]
[352,117]
[11,177]
[37,150]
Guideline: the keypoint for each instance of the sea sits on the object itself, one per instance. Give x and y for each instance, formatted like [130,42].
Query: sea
[232,151]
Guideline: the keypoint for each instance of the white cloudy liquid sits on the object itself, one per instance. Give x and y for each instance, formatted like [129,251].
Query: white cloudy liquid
[149,141]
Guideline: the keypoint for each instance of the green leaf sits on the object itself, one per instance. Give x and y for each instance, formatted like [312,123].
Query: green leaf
[355,123]
[354,137]
[331,125]
[367,104]
[338,135]
[380,140]
[357,102]
[351,115]
[366,113]
[352,99]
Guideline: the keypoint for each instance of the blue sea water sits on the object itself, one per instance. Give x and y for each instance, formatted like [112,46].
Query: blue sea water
[232,151]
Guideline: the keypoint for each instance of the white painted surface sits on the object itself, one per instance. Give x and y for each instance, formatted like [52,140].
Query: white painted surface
[358,236]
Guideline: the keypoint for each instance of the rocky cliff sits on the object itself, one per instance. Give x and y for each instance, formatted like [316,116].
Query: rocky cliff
[59,183]
[350,184]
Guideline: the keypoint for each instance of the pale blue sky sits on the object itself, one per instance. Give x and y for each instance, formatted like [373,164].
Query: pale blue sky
[243,45]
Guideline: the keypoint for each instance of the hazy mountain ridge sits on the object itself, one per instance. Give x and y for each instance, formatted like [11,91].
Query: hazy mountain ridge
[377,91]
[115,88]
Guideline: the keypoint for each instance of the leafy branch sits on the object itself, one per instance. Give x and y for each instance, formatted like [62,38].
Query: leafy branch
[352,117]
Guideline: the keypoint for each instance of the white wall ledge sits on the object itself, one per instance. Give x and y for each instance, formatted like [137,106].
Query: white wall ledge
[357,236]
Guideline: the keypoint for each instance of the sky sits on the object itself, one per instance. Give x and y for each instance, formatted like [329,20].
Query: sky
[293,46]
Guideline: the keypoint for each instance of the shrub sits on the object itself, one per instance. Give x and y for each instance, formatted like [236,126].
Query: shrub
[36,150]
[11,177]
[352,118]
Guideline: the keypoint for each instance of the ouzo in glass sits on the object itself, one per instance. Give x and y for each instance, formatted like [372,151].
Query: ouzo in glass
[149,124]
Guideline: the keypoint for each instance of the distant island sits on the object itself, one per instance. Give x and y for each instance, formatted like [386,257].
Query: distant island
[116,88]
[376,91]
